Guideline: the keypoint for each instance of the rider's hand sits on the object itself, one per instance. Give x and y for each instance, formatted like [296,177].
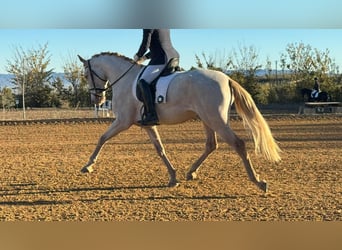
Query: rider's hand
[136,58]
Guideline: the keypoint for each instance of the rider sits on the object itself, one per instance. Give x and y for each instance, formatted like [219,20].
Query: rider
[161,51]
[316,89]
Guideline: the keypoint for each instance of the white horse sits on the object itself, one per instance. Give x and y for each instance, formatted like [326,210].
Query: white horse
[205,94]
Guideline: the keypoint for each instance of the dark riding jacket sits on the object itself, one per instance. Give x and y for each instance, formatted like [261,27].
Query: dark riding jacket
[158,42]
[316,86]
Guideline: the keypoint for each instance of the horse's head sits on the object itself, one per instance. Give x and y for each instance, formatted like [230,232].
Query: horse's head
[97,83]
[305,91]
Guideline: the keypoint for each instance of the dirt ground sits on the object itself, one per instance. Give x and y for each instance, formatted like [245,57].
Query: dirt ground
[40,178]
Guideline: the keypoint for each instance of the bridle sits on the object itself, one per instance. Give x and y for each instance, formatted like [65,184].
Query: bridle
[101,90]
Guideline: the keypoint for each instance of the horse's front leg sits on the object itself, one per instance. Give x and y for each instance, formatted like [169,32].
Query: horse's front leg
[155,138]
[115,128]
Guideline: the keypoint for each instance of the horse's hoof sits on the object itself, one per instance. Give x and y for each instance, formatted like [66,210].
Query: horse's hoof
[263,186]
[87,169]
[191,176]
[173,184]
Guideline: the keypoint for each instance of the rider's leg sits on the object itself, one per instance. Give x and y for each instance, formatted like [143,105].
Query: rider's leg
[150,115]
[150,74]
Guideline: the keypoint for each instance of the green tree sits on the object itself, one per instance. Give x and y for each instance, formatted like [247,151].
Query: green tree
[31,74]
[306,62]
[211,61]
[58,86]
[244,61]
[6,98]
[242,65]
[73,74]
[268,68]
[84,96]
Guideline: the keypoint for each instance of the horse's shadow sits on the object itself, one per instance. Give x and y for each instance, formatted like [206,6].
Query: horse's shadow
[23,189]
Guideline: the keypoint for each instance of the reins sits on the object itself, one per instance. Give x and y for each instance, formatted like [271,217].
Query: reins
[92,73]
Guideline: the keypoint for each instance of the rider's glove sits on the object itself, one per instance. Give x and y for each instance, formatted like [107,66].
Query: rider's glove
[136,58]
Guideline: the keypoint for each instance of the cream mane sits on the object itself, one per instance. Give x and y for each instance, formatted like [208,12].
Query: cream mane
[113,54]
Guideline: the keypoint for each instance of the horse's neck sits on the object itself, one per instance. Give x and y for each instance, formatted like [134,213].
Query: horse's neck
[122,93]
[120,68]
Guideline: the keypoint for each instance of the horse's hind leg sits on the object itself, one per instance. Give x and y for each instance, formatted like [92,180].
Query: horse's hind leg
[239,146]
[210,146]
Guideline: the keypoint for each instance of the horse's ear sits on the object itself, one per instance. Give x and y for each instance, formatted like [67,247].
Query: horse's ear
[82,59]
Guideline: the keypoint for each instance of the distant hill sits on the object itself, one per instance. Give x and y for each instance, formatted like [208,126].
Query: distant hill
[264,72]
[5,79]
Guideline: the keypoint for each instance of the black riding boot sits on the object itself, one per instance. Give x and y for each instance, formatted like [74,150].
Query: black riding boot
[150,117]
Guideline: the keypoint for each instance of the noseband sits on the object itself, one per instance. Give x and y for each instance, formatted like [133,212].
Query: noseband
[101,90]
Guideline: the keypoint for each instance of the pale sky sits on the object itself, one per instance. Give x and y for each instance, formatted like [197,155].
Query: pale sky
[87,27]
[62,43]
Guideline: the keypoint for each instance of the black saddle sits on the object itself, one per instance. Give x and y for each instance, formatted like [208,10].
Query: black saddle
[171,67]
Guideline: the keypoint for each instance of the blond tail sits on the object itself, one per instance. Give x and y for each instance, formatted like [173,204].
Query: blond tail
[262,136]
